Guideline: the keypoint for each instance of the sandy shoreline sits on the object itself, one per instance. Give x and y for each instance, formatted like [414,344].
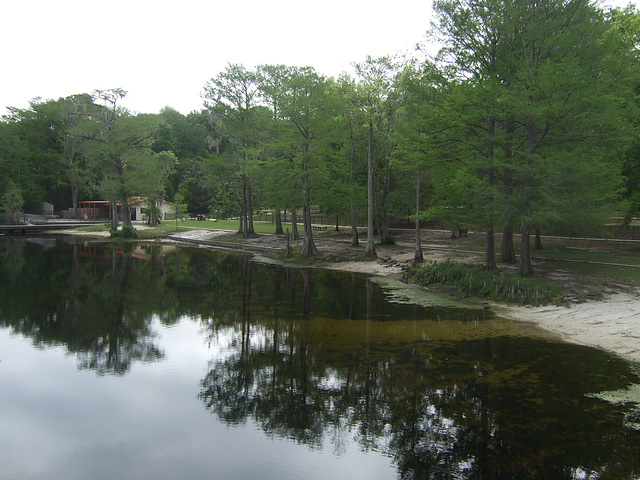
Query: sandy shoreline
[611,324]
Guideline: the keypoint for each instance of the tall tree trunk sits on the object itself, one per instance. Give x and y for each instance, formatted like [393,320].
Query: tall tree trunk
[72,180]
[490,260]
[114,214]
[418,257]
[242,209]
[490,257]
[294,224]
[279,230]
[126,212]
[124,198]
[308,245]
[508,251]
[383,230]
[250,230]
[525,267]
[383,220]
[337,223]
[245,210]
[538,241]
[74,199]
[354,226]
[153,212]
[370,251]
[352,167]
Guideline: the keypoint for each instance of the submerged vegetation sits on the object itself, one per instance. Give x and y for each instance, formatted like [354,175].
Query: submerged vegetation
[477,281]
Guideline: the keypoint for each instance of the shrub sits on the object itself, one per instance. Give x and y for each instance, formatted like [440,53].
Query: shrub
[476,281]
[124,232]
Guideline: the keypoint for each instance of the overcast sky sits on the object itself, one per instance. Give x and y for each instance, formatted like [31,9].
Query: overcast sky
[163,52]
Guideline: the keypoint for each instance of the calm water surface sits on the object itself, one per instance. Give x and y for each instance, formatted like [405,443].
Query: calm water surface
[142,361]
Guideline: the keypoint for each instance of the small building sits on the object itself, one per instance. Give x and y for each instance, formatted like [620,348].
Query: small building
[102,210]
[140,209]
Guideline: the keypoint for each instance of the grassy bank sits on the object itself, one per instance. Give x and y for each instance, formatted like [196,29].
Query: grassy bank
[476,281]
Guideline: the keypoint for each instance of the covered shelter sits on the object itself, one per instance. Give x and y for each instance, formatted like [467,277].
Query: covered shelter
[97,210]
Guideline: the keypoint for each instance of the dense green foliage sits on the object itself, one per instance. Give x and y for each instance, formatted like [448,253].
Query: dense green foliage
[527,119]
[11,205]
[126,232]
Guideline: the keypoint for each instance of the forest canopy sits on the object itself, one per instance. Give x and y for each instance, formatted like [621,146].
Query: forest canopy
[526,120]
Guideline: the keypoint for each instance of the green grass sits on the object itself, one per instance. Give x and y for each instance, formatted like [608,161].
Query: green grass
[259,227]
[585,255]
[594,267]
[168,227]
[94,228]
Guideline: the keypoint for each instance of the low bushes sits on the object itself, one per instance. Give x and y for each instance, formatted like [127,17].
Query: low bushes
[476,281]
[124,232]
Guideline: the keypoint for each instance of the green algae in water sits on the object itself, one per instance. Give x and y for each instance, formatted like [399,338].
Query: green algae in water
[403,293]
[629,397]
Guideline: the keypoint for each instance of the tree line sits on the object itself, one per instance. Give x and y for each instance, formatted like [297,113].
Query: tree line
[525,119]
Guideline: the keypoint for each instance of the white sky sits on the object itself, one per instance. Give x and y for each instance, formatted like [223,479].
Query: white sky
[163,52]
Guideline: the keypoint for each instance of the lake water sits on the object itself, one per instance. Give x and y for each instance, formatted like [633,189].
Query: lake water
[151,362]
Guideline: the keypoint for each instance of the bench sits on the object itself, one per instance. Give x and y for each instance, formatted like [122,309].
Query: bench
[319,227]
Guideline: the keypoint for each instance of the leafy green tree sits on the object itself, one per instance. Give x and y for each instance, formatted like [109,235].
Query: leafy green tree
[18,165]
[224,201]
[41,124]
[196,144]
[118,145]
[278,171]
[41,130]
[353,117]
[179,207]
[73,110]
[375,90]
[232,99]
[420,136]
[627,24]
[11,204]
[155,179]
[309,110]
[543,86]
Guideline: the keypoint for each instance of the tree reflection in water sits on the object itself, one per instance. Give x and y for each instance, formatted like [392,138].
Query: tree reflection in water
[481,408]
[90,307]
[320,357]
